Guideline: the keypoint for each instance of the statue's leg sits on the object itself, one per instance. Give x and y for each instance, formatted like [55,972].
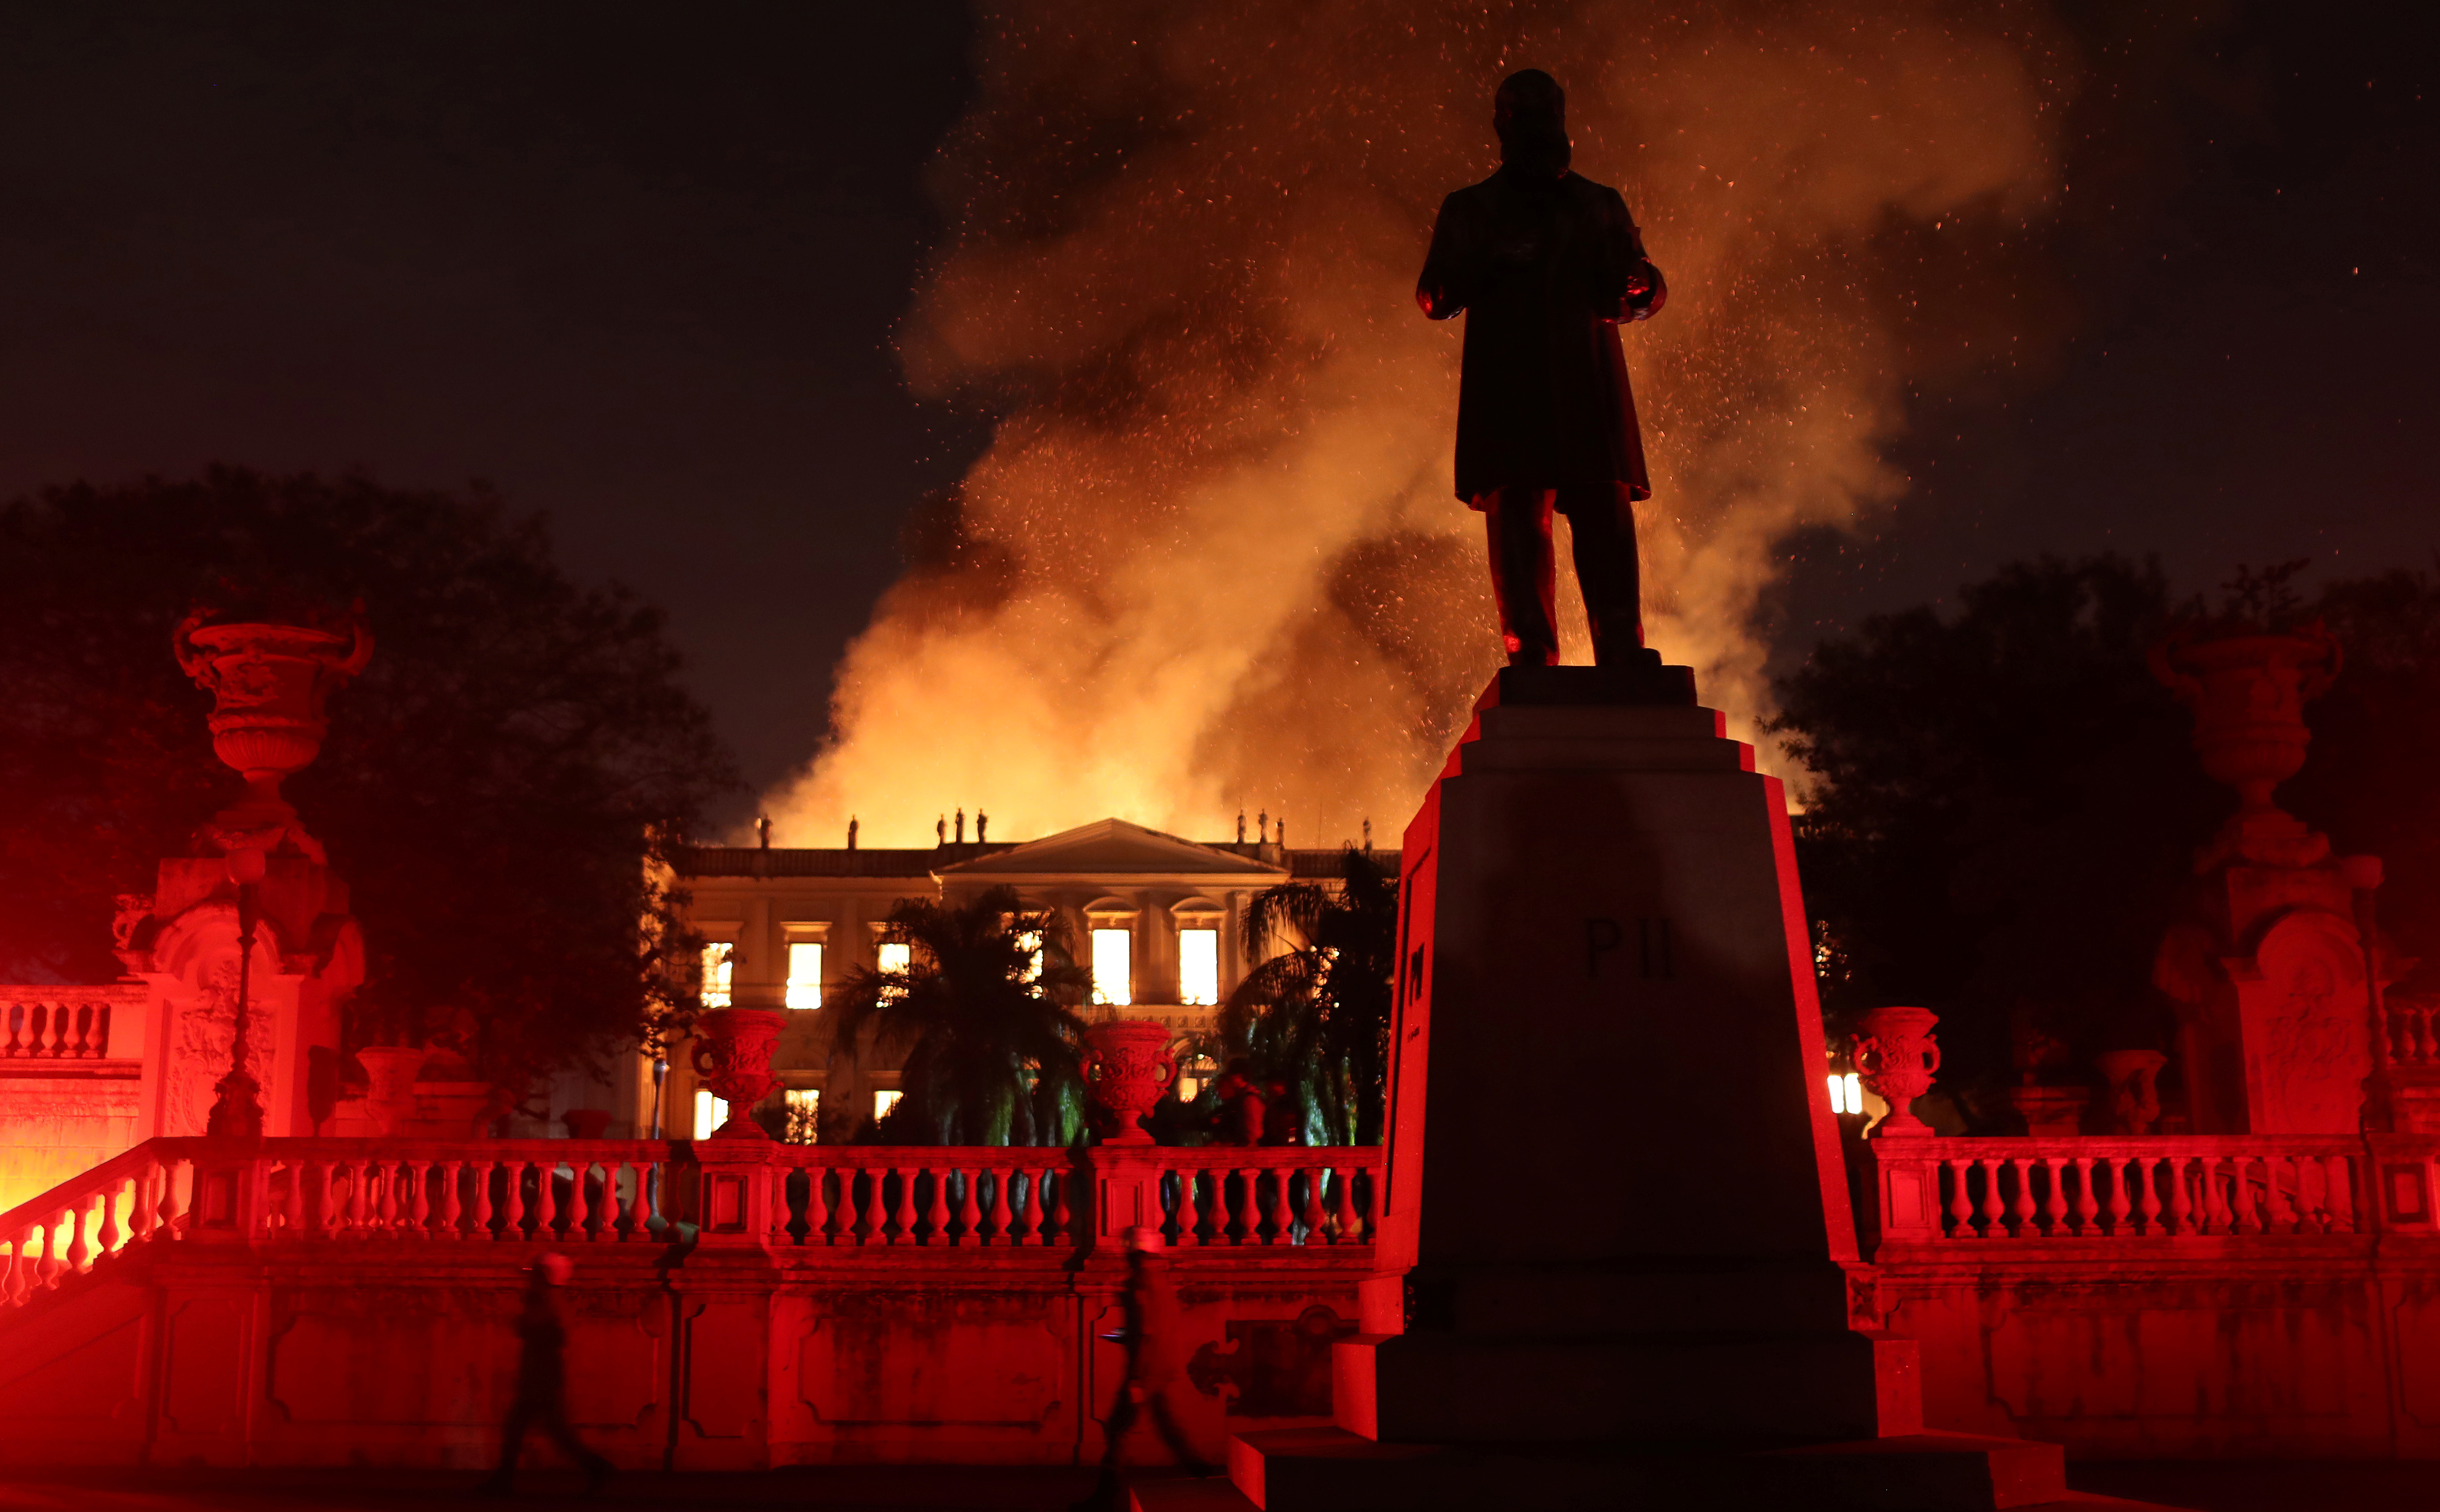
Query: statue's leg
[1601,524]
[1524,576]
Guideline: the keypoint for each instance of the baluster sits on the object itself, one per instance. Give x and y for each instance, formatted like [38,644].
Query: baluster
[140,1217]
[386,1175]
[1345,1210]
[936,1217]
[608,1211]
[1992,1209]
[356,1197]
[2142,1165]
[852,1213]
[1060,1216]
[1960,1204]
[650,1193]
[2182,1218]
[817,1211]
[1249,1218]
[2217,1216]
[970,1211]
[418,1213]
[999,1211]
[2242,1218]
[47,1038]
[292,1217]
[11,1283]
[1311,1215]
[2337,1194]
[1030,1211]
[2288,1200]
[1283,1229]
[2119,1206]
[513,1200]
[2088,1207]
[449,1205]
[47,1273]
[2053,1196]
[580,1206]
[106,1237]
[902,1220]
[2021,1207]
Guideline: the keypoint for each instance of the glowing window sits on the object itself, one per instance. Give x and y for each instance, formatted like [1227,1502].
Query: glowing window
[1846,1093]
[719,962]
[884,1102]
[1199,967]
[895,957]
[805,1114]
[710,1112]
[1113,967]
[804,974]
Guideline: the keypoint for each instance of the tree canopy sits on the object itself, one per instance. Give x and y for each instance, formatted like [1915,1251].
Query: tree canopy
[1316,1016]
[981,1009]
[494,789]
[2004,805]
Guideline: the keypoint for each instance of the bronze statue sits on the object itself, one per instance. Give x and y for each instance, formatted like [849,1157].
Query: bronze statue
[1548,263]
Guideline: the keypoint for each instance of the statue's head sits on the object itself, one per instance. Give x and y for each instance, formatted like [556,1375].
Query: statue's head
[1529,113]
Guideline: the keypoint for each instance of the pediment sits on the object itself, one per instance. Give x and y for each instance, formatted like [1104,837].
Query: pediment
[1112,847]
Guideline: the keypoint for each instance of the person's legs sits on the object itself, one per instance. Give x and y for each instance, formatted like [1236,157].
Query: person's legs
[513,1443]
[1524,578]
[1175,1436]
[1601,527]
[556,1427]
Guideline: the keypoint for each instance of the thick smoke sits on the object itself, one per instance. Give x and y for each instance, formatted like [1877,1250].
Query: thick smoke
[1212,559]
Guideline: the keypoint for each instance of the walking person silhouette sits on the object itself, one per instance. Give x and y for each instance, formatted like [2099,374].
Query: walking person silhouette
[542,1382]
[1153,1367]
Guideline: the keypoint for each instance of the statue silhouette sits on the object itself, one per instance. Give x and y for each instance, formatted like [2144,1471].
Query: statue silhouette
[1547,263]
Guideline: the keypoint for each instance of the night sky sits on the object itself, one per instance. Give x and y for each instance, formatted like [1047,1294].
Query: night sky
[640,268]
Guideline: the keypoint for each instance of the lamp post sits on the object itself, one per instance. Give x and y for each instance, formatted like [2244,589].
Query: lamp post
[237,1112]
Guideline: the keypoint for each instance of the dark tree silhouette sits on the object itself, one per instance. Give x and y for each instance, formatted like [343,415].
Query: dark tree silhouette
[981,1013]
[2004,806]
[1317,1016]
[494,789]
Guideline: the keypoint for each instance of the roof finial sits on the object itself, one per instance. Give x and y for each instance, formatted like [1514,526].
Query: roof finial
[1283,832]
[982,823]
[1368,836]
[1241,826]
[940,831]
[962,824]
[762,829]
[851,831]
[1263,827]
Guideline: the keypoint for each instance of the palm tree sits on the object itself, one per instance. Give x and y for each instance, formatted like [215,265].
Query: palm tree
[1317,1016]
[991,1055]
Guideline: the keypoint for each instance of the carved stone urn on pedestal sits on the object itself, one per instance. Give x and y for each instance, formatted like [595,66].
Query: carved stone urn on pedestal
[1127,1066]
[732,1054]
[2247,693]
[2133,1102]
[390,1076]
[269,683]
[1895,1054]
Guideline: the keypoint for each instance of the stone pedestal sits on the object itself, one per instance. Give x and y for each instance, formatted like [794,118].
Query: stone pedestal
[1615,1197]
[1618,1259]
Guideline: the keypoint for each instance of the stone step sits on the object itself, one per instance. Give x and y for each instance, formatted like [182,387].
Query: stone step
[1329,1470]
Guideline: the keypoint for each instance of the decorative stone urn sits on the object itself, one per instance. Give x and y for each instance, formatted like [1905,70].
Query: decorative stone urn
[270,682]
[1127,1066]
[2134,1102]
[2051,1110]
[2247,693]
[732,1054]
[389,1075]
[1895,1052]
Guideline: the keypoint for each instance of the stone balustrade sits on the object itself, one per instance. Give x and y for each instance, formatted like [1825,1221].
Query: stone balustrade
[1974,1190]
[1226,1196]
[615,1191]
[59,1023]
